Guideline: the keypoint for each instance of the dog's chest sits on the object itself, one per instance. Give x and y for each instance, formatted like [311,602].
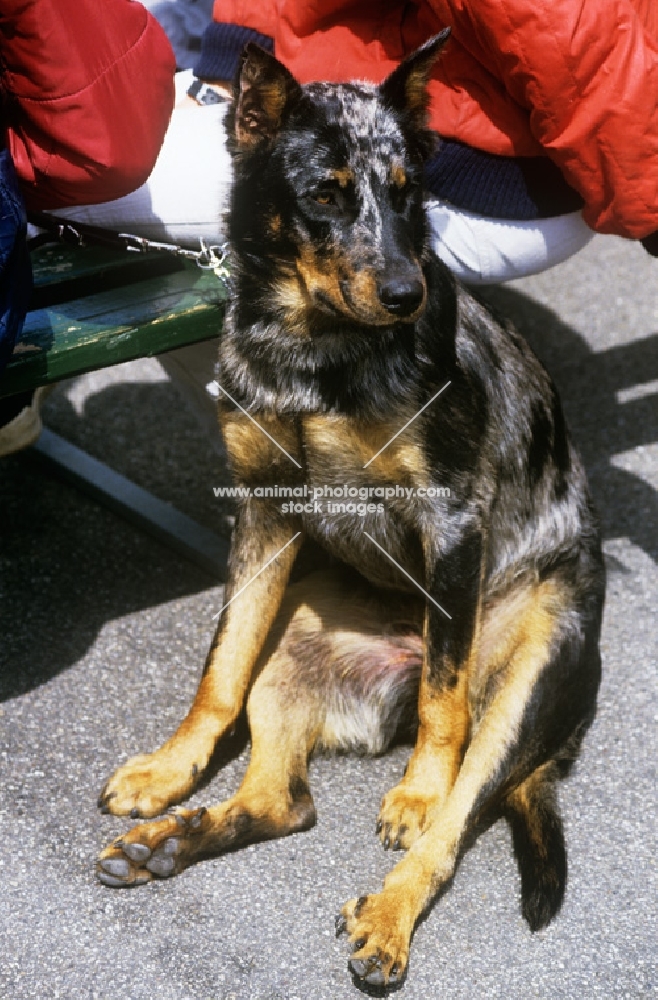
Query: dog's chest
[357,488]
[363,480]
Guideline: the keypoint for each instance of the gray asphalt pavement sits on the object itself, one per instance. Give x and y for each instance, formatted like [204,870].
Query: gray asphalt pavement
[103,636]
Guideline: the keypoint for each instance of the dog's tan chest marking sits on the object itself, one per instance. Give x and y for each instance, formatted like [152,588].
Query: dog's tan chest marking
[336,442]
[254,455]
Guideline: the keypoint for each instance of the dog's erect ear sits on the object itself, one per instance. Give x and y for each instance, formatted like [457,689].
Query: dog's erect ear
[263,92]
[406,88]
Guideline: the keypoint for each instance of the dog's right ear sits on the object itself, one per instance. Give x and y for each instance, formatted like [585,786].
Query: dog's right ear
[406,87]
[263,93]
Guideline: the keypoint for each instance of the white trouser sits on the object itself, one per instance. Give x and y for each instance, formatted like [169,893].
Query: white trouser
[483,251]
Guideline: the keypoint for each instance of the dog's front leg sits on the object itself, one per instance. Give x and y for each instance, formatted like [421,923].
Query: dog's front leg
[380,926]
[262,553]
[451,619]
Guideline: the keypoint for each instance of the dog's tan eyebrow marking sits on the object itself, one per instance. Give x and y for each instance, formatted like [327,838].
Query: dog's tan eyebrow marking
[344,176]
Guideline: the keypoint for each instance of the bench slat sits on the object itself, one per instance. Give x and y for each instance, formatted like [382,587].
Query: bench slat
[54,264]
[92,308]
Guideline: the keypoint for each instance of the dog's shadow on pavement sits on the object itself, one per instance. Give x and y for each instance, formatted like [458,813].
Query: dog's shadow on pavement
[610,399]
[67,566]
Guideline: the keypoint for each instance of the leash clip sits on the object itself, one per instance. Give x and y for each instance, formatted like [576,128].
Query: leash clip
[208,258]
[214,258]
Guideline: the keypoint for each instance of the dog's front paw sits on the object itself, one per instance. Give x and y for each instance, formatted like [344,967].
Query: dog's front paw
[403,816]
[153,850]
[147,785]
[379,936]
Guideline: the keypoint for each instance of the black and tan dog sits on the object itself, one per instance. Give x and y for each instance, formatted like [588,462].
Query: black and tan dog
[470,595]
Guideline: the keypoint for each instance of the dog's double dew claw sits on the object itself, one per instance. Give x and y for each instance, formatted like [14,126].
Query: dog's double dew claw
[146,786]
[402,818]
[380,948]
[152,850]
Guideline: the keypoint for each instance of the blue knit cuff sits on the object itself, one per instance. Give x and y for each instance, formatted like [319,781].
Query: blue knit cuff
[499,187]
[221,48]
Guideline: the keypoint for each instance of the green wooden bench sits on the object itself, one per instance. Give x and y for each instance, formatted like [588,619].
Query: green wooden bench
[91,308]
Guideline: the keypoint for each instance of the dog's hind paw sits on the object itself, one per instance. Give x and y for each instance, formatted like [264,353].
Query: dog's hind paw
[153,850]
[380,943]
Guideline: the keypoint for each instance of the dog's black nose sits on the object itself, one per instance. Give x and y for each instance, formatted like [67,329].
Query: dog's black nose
[401,296]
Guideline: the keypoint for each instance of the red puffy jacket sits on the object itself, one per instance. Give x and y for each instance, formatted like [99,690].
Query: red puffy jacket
[87,90]
[576,80]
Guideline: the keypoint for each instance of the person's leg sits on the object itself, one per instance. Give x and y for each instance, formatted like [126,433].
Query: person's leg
[20,424]
[481,251]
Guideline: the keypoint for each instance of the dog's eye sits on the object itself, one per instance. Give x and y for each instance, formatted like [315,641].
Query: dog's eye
[325,197]
[326,201]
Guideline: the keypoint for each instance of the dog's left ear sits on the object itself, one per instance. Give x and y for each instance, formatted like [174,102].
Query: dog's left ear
[406,88]
[263,93]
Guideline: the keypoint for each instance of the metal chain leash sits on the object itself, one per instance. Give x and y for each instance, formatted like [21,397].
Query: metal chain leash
[208,258]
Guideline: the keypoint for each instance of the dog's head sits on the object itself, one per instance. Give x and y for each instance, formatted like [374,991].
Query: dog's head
[327,214]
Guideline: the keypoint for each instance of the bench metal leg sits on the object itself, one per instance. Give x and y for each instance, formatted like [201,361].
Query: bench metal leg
[141,508]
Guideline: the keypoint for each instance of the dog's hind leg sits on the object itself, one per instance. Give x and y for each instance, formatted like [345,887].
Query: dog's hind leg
[340,669]
[519,729]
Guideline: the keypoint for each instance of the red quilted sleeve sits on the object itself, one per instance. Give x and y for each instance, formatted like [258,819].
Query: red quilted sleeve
[87,92]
